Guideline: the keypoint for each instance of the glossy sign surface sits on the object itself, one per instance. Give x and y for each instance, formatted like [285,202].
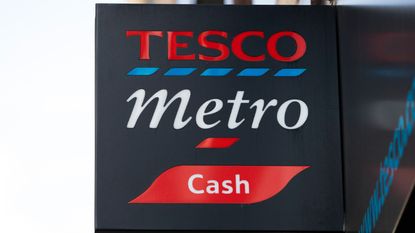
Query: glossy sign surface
[248,140]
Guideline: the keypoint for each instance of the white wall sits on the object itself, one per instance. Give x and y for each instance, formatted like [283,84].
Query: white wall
[47,116]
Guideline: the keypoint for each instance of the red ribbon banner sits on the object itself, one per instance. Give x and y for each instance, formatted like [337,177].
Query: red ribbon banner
[218,184]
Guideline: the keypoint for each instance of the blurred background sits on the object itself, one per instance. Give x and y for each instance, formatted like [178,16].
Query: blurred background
[47,111]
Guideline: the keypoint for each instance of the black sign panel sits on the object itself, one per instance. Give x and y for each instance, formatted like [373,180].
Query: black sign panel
[378,88]
[217,118]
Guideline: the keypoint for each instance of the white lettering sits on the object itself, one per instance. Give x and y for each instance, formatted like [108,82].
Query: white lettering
[201,113]
[161,107]
[233,122]
[215,187]
[190,184]
[210,107]
[240,182]
[301,119]
[260,110]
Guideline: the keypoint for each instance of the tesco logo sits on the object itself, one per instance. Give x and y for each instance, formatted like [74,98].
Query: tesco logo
[215,184]
[178,49]
[178,42]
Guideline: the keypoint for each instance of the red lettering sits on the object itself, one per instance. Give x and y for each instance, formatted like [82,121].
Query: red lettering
[223,49]
[204,42]
[272,46]
[237,46]
[173,45]
[144,41]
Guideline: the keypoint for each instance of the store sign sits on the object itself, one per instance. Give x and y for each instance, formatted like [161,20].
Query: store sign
[195,109]
[218,184]
[203,39]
